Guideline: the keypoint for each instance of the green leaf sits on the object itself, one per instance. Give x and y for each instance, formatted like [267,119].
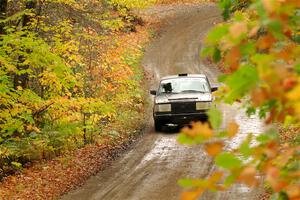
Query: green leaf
[240,82]
[275,27]
[226,14]
[250,111]
[279,196]
[185,182]
[297,68]
[222,77]
[217,33]
[262,59]
[16,165]
[296,38]
[184,139]
[215,117]
[248,49]
[217,55]
[230,180]
[272,134]
[245,148]
[225,5]
[222,134]
[207,51]
[228,161]
[259,7]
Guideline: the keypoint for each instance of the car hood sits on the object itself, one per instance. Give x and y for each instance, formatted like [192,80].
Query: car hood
[183,97]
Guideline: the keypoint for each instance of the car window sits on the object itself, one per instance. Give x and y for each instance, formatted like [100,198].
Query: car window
[182,85]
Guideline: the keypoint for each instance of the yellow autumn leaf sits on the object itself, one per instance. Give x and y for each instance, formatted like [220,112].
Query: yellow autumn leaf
[237,29]
[214,149]
[203,129]
[191,195]
[216,177]
[294,94]
[253,32]
[270,5]
[247,176]
[232,129]
[198,128]
[293,191]
[273,178]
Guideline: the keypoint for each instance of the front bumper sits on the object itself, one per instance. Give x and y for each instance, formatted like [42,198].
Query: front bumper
[182,118]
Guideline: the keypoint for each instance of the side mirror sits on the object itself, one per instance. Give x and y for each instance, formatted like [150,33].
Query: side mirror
[153,92]
[214,88]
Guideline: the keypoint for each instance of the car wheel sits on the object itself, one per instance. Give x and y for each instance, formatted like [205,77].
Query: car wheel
[158,125]
[205,118]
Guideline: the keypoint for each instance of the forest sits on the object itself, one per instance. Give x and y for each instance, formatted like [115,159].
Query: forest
[66,74]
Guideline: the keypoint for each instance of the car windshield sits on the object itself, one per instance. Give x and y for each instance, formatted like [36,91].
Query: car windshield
[182,85]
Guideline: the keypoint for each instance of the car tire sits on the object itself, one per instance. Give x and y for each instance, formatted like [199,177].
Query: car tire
[158,125]
[205,118]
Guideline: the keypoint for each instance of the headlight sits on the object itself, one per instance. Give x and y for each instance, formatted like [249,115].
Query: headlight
[203,105]
[162,108]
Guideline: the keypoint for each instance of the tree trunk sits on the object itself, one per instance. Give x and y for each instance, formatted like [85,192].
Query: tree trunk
[3,11]
[23,79]
[29,5]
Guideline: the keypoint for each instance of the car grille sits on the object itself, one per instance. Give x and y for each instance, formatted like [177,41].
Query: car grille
[183,107]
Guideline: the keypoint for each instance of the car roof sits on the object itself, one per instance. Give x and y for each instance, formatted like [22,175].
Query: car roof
[184,76]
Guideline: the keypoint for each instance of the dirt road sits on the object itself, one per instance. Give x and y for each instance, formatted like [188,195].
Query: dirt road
[150,170]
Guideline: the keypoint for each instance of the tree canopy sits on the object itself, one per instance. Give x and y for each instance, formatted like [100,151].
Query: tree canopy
[60,80]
